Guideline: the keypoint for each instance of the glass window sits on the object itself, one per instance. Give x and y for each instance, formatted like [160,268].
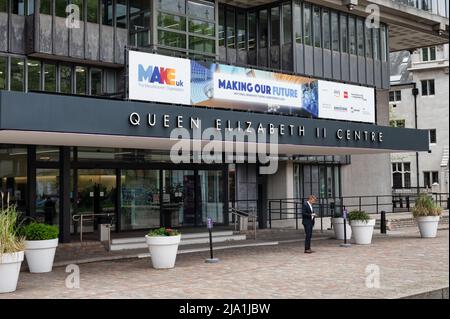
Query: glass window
[81,75]
[317,29]
[335,31]
[107,12]
[275,26]
[431,86]
[172,39]
[121,14]
[65,79]
[34,75]
[3,72]
[433,137]
[18,7]
[79,3]
[177,6]
[47,195]
[369,43]
[60,8]
[427,87]
[241,19]
[383,40]
[343,32]
[307,24]
[352,35]
[221,25]
[231,28]
[45,7]
[92,11]
[200,10]
[201,27]
[3,5]
[171,21]
[96,81]
[263,29]
[376,44]
[298,24]
[252,31]
[201,44]
[360,36]
[398,95]
[13,175]
[287,23]
[326,32]
[50,77]
[17,74]
[30,7]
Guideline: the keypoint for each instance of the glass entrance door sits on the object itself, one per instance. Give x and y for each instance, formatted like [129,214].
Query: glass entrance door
[96,191]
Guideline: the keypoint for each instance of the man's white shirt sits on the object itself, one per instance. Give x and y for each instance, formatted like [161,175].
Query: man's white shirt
[312,210]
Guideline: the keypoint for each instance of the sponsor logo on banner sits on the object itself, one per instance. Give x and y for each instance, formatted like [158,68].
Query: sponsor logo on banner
[159,78]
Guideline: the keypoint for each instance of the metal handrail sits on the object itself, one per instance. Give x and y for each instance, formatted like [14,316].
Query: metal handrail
[90,217]
[251,216]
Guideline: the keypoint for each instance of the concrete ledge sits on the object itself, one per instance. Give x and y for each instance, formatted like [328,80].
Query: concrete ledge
[441,293]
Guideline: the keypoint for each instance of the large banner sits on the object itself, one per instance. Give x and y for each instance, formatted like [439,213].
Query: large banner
[159,78]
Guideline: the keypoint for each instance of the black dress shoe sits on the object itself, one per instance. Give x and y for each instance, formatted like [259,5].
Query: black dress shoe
[308,251]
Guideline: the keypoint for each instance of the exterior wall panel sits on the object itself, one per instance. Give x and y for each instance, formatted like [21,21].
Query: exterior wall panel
[309,60]
[353,68]
[345,67]
[3,31]
[92,41]
[44,41]
[327,65]
[17,34]
[318,62]
[106,44]
[61,37]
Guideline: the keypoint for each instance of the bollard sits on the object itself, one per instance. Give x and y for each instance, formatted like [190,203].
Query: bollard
[209,225]
[344,215]
[383,222]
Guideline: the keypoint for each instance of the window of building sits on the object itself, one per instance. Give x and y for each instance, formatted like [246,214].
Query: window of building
[287,23]
[221,25]
[60,8]
[317,27]
[397,123]
[65,79]
[34,75]
[17,74]
[369,43]
[241,31]
[326,32]
[92,11]
[251,31]
[172,39]
[202,44]
[383,43]
[176,6]
[275,26]
[107,12]
[200,10]
[204,28]
[18,7]
[3,72]
[121,14]
[430,178]
[343,32]
[401,175]
[427,87]
[171,21]
[429,54]
[45,7]
[433,136]
[50,77]
[298,24]
[79,3]
[139,17]
[335,31]
[96,81]
[263,29]
[352,35]
[360,36]
[80,79]
[376,44]
[395,96]
[307,31]
[3,5]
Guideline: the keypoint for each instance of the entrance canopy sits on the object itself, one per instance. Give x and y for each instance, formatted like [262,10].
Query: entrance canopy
[48,119]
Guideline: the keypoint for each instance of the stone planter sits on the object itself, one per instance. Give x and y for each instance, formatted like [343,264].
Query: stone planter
[428,226]
[338,227]
[40,254]
[362,231]
[9,271]
[163,250]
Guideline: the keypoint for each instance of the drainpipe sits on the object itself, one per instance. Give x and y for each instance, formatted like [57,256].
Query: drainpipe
[415,92]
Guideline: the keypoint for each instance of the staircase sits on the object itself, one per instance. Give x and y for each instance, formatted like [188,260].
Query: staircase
[186,239]
[444,161]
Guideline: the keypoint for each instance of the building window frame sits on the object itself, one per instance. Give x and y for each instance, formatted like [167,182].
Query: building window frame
[428,87]
[402,170]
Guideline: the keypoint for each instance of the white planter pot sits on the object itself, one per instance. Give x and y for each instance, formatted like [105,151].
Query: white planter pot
[428,226]
[40,254]
[163,250]
[362,231]
[338,227]
[9,271]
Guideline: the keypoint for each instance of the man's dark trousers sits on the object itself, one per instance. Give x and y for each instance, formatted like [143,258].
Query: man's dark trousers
[308,225]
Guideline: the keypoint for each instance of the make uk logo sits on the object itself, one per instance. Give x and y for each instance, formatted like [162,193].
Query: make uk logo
[158,74]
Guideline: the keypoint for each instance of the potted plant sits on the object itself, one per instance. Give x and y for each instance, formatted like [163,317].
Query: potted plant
[41,241]
[163,246]
[427,214]
[362,227]
[11,250]
[338,226]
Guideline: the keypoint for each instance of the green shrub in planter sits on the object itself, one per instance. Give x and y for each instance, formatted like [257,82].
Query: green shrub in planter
[37,231]
[358,215]
[10,240]
[425,206]
[163,232]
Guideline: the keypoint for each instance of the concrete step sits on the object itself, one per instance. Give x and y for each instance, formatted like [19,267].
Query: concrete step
[186,239]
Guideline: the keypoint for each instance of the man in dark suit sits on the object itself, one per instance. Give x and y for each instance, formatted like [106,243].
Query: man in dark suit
[308,217]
